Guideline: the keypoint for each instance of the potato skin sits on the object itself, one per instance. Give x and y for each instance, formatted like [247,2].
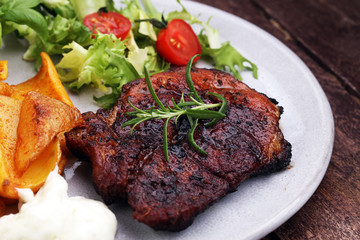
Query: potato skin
[33,118]
[41,119]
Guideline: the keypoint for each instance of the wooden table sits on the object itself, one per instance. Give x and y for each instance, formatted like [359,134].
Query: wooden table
[325,34]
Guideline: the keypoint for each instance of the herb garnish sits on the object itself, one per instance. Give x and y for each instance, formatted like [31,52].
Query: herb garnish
[194,110]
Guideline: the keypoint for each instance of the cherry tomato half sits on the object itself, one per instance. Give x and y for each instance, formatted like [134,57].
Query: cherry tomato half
[178,43]
[108,22]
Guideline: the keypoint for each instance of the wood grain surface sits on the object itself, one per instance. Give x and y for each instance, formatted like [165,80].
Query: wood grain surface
[325,34]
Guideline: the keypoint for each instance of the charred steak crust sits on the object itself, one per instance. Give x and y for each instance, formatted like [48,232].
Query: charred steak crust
[169,195]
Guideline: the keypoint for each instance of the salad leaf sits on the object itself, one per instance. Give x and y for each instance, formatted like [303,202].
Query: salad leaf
[227,56]
[146,28]
[144,56]
[44,23]
[150,9]
[136,56]
[21,4]
[70,66]
[85,7]
[61,31]
[108,100]
[31,18]
[63,8]
[212,34]
[55,3]
[133,11]
[130,10]
[102,66]
[155,63]
[22,12]
[110,6]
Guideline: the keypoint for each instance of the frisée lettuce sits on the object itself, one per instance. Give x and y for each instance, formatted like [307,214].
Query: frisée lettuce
[101,66]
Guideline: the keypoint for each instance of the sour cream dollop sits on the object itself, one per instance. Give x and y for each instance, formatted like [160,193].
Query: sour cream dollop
[51,214]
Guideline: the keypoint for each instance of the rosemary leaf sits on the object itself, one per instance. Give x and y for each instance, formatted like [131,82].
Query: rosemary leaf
[140,120]
[165,141]
[222,109]
[131,122]
[204,114]
[186,104]
[189,81]
[192,140]
[151,90]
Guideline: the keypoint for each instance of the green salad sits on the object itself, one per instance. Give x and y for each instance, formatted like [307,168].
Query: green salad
[104,47]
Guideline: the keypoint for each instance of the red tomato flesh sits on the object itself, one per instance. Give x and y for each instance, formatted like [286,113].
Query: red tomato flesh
[178,43]
[108,22]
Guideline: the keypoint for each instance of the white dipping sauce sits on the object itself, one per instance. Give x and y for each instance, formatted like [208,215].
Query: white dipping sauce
[51,214]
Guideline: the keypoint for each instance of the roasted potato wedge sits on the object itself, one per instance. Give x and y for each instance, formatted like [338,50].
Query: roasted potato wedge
[37,172]
[41,119]
[3,70]
[35,175]
[46,82]
[33,118]
[5,89]
[9,119]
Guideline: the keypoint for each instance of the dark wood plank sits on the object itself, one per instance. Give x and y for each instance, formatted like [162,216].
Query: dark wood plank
[246,10]
[329,32]
[332,212]
[350,8]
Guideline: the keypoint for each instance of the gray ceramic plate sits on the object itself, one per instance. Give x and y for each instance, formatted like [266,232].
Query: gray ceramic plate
[261,204]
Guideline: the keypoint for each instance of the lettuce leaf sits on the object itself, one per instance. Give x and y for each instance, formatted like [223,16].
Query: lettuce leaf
[70,67]
[133,11]
[145,56]
[63,8]
[150,9]
[61,31]
[227,57]
[85,7]
[104,65]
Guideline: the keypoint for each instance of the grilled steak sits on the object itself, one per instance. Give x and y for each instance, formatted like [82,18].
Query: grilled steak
[168,195]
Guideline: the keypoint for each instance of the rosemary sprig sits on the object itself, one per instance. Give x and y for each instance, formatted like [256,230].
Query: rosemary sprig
[194,110]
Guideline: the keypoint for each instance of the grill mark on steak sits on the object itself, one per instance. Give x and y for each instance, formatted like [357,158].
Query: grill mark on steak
[168,195]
